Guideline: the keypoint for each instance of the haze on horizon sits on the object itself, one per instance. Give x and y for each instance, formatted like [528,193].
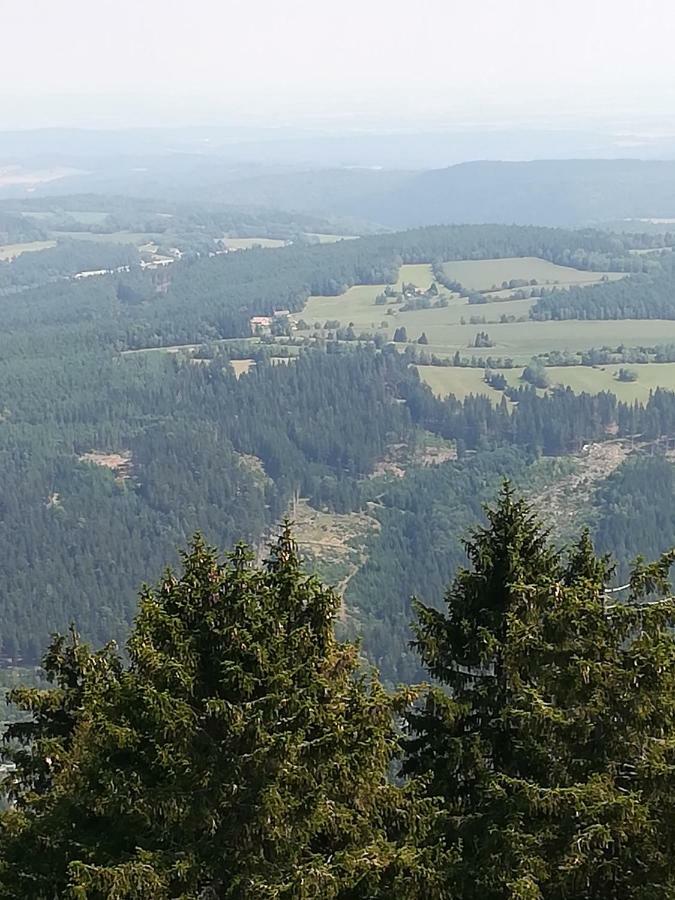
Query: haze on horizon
[361,63]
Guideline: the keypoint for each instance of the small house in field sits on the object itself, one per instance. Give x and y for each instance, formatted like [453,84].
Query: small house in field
[261,324]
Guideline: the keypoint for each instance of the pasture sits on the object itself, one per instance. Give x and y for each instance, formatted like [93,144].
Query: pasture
[581,379]
[449,330]
[522,340]
[603,378]
[458,381]
[484,274]
[421,275]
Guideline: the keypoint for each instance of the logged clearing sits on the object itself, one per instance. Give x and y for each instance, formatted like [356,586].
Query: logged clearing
[429,450]
[333,545]
[254,465]
[565,502]
[485,274]
[119,463]
[242,366]
[10,251]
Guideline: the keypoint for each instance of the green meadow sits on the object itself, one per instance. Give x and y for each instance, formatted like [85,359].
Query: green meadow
[460,382]
[484,274]
[589,379]
[448,329]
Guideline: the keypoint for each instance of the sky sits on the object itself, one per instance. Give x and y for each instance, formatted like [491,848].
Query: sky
[363,63]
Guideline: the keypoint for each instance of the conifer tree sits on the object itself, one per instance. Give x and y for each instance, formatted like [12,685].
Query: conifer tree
[552,736]
[241,754]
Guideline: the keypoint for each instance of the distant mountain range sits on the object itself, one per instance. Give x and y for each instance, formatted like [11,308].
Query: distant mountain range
[339,176]
[555,192]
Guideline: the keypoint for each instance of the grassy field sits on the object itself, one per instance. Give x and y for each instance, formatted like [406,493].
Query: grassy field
[457,381]
[420,275]
[592,380]
[520,340]
[357,305]
[9,251]
[483,274]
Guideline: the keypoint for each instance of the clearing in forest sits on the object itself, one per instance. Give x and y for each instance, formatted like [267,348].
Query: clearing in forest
[10,251]
[242,366]
[119,463]
[445,380]
[564,495]
[487,274]
[594,379]
[453,326]
[461,382]
[333,545]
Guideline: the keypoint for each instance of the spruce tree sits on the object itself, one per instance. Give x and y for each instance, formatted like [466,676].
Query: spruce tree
[241,754]
[551,737]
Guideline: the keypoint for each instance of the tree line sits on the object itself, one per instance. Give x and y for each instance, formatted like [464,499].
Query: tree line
[240,750]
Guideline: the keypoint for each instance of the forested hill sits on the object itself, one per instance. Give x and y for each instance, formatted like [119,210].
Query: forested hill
[68,258]
[642,296]
[209,297]
[543,192]
[238,751]
[109,460]
[214,297]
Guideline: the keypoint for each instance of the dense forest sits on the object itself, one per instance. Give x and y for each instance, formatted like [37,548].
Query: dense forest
[239,750]
[192,227]
[67,258]
[643,296]
[198,447]
[110,460]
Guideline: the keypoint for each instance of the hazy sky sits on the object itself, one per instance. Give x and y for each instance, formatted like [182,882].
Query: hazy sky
[130,62]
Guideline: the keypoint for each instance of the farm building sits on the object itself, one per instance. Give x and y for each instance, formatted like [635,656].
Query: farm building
[260,324]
